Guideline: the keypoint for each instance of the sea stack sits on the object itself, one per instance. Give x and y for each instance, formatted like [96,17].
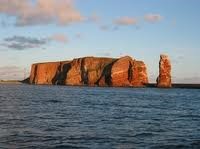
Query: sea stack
[164,78]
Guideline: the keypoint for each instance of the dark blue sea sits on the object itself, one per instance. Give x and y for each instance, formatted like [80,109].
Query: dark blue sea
[49,117]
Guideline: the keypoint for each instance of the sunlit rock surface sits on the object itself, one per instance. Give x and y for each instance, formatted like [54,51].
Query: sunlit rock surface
[164,78]
[91,71]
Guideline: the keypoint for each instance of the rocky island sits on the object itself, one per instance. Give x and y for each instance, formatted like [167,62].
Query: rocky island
[100,71]
[103,72]
[91,71]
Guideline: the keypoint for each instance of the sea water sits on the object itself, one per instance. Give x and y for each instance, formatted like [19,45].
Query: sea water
[93,117]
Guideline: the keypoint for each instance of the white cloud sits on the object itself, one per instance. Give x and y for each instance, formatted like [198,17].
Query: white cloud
[152,18]
[126,21]
[41,12]
[95,18]
[59,38]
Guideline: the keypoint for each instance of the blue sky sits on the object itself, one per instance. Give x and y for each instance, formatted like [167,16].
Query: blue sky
[143,29]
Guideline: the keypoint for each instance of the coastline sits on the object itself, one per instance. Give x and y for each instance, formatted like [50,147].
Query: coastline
[11,82]
[149,85]
[177,85]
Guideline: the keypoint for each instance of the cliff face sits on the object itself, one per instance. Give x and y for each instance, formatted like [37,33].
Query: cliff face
[44,73]
[121,72]
[164,78]
[86,71]
[91,71]
[139,73]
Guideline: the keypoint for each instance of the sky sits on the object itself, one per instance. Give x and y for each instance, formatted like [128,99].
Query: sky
[34,31]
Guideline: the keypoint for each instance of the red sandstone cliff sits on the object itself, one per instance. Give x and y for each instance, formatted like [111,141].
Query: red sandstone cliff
[164,78]
[91,71]
[44,73]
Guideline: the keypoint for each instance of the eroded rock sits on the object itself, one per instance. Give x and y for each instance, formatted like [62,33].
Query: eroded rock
[91,71]
[164,78]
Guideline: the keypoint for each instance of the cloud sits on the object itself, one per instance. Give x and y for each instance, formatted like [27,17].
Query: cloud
[104,27]
[28,12]
[178,58]
[153,18]
[18,46]
[22,43]
[115,28]
[22,39]
[59,38]
[104,53]
[125,21]
[79,35]
[95,18]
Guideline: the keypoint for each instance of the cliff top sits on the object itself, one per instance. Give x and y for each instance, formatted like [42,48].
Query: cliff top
[87,57]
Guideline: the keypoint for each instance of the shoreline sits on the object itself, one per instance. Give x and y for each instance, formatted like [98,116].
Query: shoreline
[149,85]
[178,85]
[11,82]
